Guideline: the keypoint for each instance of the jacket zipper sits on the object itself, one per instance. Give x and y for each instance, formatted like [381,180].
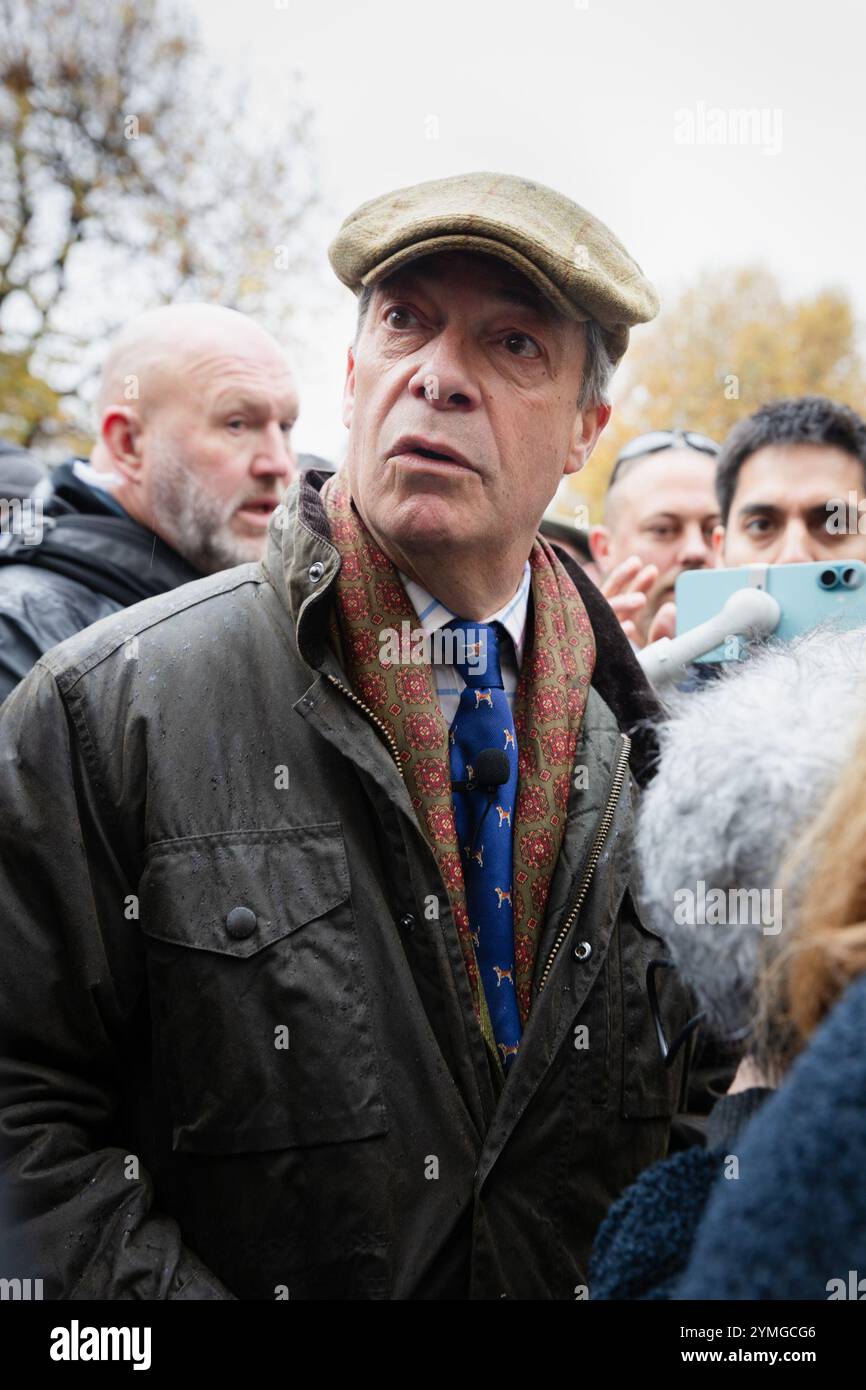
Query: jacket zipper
[594,855]
[395,752]
[598,843]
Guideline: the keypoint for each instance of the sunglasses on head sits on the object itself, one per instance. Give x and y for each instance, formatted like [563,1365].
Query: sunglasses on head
[658,440]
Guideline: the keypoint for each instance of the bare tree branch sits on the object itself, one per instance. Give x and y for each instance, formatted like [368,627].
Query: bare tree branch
[127,178]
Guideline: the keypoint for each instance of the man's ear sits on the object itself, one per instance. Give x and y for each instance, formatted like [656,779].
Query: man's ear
[717,540]
[349,390]
[588,425]
[121,433]
[599,545]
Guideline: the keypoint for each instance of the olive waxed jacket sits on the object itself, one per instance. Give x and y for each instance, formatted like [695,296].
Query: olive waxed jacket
[239,1054]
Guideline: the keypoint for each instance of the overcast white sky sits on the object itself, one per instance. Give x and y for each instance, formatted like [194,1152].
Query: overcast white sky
[589,97]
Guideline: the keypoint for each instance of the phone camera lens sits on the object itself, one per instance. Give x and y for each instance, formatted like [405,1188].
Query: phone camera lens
[828,579]
[850,578]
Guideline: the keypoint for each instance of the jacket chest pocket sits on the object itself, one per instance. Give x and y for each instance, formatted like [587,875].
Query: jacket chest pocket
[261,1019]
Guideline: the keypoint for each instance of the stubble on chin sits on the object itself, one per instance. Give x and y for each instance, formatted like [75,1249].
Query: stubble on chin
[195,523]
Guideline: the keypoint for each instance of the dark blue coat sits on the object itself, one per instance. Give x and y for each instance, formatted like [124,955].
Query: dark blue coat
[796,1218]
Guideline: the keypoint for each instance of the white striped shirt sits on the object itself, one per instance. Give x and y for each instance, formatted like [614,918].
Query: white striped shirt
[433,615]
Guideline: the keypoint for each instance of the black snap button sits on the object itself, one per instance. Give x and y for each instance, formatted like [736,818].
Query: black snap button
[406,922]
[241,922]
[316,571]
[582,950]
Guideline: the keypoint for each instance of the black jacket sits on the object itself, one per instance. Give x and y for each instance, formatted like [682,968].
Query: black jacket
[90,561]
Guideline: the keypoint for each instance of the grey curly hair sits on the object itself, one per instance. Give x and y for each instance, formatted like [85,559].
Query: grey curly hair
[745,765]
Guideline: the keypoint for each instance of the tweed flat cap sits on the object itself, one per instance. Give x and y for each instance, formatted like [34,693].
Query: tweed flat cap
[572,257]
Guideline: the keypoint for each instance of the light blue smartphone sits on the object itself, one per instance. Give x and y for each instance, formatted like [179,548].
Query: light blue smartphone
[808,595]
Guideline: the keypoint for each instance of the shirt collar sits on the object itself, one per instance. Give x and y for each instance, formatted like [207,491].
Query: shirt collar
[432,614]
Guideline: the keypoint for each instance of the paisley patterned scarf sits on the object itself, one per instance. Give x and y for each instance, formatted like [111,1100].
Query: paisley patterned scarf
[559,657]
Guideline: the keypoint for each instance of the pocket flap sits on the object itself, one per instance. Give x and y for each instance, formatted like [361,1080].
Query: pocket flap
[237,892]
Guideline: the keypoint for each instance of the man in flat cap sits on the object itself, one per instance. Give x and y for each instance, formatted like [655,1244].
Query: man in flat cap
[323,975]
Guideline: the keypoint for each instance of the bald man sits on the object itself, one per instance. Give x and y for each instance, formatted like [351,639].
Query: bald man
[196,407]
[660,511]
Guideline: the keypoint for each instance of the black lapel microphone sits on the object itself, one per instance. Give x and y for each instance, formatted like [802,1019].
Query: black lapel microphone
[491,770]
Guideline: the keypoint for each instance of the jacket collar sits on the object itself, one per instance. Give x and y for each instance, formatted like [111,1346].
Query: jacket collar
[70,494]
[89,541]
[302,564]
[618,676]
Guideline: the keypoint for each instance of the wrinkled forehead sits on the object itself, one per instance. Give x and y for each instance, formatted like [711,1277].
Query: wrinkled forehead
[209,374]
[454,271]
[187,368]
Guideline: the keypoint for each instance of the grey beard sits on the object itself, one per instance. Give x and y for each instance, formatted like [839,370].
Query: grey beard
[195,523]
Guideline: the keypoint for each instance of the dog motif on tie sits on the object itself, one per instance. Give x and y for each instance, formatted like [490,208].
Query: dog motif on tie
[484,719]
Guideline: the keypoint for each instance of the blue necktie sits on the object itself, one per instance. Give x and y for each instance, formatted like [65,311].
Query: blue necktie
[485,823]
